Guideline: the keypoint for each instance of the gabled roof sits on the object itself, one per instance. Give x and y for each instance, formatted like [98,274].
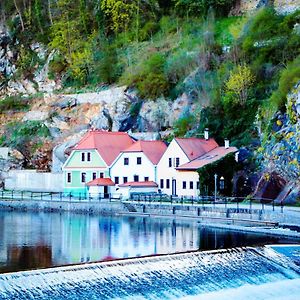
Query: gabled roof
[108,144]
[195,147]
[207,158]
[140,184]
[154,150]
[101,182]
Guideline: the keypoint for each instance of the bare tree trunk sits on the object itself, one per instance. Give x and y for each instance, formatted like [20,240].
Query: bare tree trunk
[49,11]
[19,13]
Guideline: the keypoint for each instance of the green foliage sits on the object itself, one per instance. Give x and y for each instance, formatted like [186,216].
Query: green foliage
[13,103]
[26,136]
[201,7]
[289,77]
[184,124]
[149,78]
[225,167]
[239,82]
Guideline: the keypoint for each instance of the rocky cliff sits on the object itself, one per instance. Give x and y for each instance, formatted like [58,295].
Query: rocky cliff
[280,154]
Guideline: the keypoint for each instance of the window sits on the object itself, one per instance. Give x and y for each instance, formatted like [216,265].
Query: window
[177,161]
[83,177]
[116,180]
[126,161]
[138,160]
[146,179]
[82,156]
[191,185]
[184,185]
[168,183]
[125,179]
[135,178]
[94,175]
[170,162]
[198,185]
[161,183]
[101,175]
[69,177]
[88,156]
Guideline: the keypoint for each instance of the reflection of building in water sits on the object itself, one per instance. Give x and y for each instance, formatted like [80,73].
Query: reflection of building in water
[85,239]
[141,236]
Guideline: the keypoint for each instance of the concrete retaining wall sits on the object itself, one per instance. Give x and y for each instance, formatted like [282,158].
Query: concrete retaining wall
[30,180]
[104,207]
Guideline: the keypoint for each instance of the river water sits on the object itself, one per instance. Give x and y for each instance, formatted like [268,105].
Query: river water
[41,240]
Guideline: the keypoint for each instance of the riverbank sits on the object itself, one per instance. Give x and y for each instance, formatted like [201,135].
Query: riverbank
[269,220]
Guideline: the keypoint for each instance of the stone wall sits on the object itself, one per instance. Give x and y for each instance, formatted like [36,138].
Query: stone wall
[30,180]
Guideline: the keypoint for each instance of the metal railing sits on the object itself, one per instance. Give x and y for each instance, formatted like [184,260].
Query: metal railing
[58,196]
[204,201]
[211,201]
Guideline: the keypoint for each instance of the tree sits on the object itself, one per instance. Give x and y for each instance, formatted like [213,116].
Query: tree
[240,81]
[120,12]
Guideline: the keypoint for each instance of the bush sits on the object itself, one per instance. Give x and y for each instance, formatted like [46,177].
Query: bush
[149,78]
[14,103]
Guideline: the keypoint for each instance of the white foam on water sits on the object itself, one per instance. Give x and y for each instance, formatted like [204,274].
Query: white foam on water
[278,290]
[160,277]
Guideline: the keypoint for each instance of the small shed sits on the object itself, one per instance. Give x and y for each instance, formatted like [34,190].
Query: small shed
[126,189]
[103,187]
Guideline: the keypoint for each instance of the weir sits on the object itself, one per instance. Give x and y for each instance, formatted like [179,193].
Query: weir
[160,277]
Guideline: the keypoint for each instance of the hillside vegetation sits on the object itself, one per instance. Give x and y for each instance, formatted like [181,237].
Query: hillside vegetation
[236,70]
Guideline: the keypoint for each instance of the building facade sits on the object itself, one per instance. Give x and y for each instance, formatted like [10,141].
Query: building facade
[92,158]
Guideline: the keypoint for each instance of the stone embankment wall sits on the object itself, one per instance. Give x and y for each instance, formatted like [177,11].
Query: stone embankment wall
[30,180]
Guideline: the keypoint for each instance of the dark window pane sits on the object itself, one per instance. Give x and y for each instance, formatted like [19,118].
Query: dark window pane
[191,185]
[139,160]
[168,183]
[161,183]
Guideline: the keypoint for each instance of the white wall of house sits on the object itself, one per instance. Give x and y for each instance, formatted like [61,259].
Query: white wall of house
[127,190]
[168,175]
[145,169]
[187,183]
[94,191]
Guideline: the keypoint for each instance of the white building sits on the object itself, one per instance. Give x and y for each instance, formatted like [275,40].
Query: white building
[138,163]
[177,169]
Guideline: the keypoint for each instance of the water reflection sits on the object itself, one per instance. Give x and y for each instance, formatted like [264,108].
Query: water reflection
[39,240]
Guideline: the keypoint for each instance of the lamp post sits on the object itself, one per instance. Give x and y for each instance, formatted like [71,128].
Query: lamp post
[222,183]
[216,178]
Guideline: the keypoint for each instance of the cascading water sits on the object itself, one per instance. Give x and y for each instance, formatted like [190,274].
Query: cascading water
[159,277]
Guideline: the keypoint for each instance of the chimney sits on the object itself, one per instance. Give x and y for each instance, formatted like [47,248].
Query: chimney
[206,133]
[226,142]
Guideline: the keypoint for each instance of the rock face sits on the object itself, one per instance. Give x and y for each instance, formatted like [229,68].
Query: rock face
[9,54]
[281,6]
[280,155]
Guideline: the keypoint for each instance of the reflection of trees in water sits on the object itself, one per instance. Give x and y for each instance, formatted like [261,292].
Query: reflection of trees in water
[28,257]
[212,238]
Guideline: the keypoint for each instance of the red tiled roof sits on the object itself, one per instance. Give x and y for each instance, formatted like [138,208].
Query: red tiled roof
[101,182]
[140,184]
[154,150]
[207,158]
[108,144]
[195,147]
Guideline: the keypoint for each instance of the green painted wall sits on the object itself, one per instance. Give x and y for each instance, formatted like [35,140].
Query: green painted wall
[75,166]
[75,160]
